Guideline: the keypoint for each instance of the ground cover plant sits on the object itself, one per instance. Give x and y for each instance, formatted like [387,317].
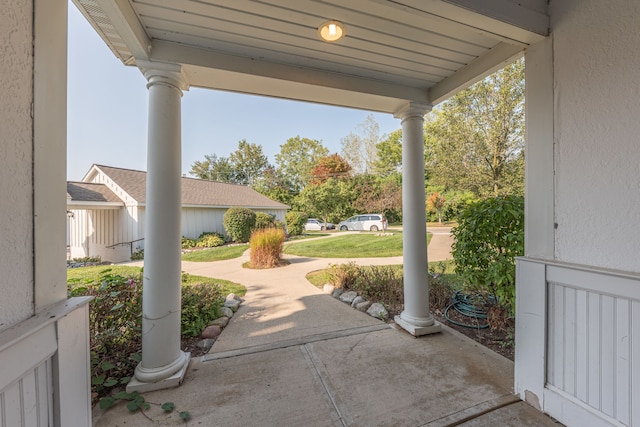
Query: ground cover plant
[115,320]
[361,245]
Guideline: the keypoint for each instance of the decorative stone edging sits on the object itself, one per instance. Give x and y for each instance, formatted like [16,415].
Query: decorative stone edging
[356,301]
[231,304]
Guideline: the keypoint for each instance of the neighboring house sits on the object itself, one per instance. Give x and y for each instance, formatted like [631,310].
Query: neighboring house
[107,210]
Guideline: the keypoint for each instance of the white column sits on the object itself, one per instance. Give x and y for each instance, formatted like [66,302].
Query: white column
[163,364]
[416,318]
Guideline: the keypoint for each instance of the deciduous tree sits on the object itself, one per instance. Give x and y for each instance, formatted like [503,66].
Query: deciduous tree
[248,162]
[360,148]
[332,166]
[213,168]
[296,159]
[476,139]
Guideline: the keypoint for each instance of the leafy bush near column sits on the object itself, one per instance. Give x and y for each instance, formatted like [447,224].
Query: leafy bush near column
[295,221]
[264,220]
[489,235]
[238,223]
[115,324]
[266,247]
[210,240]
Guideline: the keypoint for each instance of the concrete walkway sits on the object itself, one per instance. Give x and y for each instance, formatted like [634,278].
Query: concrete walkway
[292,356]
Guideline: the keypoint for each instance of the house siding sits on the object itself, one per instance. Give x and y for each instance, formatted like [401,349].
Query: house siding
[16,148]
[597,99]
[93,230]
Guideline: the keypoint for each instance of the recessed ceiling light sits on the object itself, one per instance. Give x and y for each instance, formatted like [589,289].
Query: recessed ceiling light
[331,31]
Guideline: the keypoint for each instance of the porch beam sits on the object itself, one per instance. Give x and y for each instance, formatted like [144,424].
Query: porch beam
[496,58]
[500,19]
[163,363]
[415,318]
[204,60]
[125,21]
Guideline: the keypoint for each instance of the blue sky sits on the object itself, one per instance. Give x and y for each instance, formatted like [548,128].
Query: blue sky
[107,114]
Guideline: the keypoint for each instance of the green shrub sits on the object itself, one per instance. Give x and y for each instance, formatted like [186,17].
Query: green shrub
[200,305]
[266,247]
[238,223]
[210,240]
[489,235]
[295,222]
[88,259]
[115,324]
[264,220]
[137,255]
[188,243]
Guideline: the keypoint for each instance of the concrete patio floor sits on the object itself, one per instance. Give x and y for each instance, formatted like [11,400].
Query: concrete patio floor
[292,356]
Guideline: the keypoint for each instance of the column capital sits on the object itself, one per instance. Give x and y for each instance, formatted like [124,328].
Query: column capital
[166,73]
[412,109]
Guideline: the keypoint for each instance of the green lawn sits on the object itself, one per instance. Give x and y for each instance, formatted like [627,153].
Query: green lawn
[362,245]
[216,254]
[87,275]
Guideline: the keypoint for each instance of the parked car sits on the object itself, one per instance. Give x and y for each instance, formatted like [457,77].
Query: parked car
[316,224]
[371,222]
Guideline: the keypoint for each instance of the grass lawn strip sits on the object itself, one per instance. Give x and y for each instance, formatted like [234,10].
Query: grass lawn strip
[87,275]
[362,245]
[216,254]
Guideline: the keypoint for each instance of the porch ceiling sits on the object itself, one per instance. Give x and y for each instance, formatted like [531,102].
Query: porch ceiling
[393,52]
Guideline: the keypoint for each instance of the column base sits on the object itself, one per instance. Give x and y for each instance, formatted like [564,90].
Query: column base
[416,330]
[173,381]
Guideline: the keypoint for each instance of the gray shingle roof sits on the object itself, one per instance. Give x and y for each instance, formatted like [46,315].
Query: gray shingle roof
[90,192]
[194,191]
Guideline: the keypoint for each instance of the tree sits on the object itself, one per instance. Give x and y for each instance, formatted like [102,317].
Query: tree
[389,155]
[296,159]
[375,194]
[213,168]
[436,202]
[273,185]
[329,201]
[332,166]
[248,162]
[360,148]
[476,139]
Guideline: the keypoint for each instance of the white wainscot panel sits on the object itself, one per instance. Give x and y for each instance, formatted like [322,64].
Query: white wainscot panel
[593,345]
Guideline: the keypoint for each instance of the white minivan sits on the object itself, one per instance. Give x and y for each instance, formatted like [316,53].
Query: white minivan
[370,222]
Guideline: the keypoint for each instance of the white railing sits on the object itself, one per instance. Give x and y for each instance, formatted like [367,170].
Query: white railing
[44,368]
[589,367]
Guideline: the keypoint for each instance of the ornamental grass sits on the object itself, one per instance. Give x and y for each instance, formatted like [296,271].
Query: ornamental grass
[266,247]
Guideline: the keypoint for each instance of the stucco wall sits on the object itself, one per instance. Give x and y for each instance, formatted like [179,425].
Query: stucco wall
[597,132]
[16,209]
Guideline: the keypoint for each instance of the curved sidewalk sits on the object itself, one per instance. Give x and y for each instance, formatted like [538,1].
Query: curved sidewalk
[292,356]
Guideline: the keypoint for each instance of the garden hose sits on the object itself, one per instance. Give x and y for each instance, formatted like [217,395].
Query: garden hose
[468,306]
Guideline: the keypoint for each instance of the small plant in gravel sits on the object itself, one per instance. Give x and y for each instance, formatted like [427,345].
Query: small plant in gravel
[266,247]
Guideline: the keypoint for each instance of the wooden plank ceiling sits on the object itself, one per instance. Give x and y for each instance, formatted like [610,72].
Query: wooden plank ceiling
[393,52]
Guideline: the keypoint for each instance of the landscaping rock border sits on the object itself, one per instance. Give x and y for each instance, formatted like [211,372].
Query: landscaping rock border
[231,304]
[357,302]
